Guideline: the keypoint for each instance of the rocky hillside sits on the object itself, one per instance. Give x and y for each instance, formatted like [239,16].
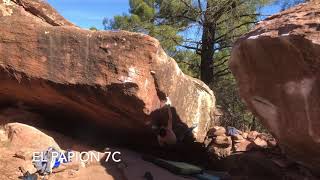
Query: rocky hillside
[277,67]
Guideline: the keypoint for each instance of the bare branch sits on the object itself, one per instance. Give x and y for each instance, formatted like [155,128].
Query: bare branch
[191,41]
[186,46]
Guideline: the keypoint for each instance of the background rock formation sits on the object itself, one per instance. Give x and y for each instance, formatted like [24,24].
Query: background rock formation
[67,73]
[277,67]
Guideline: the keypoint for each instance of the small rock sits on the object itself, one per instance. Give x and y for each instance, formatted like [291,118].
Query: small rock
[237,138]
[272,142]
[264,136]
[220,151]
[216,131]
[28,137]
[260,142]
[245,135]
[223,141]
[252,135]
[244,145]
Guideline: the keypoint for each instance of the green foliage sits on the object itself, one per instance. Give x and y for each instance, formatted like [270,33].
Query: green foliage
[234,110]
[93,28]
[189,62]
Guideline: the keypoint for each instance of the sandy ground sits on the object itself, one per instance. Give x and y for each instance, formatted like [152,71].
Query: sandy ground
[132,167]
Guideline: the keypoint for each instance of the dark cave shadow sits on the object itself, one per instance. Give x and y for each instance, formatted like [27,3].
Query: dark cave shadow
[186,149]
[74,131]
[249,165]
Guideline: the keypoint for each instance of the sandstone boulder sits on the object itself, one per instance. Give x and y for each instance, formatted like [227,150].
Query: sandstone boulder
[237,138]
[272,143]
[245,135]
[244,145]
[260,142]
[223,141]
[21,136]
[17,145]
[277,68]
[100,77]
[252,135]
[220,151]
[216,131]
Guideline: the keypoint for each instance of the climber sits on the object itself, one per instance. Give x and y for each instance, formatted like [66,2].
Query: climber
[166,136]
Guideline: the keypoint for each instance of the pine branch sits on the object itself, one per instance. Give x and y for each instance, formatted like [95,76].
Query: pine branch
[241,16]
[222,47]
[185,46]
[189,64]
[234,28]
[221,11]
[228,38]
[221,73]
[221,63]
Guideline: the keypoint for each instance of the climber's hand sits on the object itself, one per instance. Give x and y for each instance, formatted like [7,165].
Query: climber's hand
[168,102]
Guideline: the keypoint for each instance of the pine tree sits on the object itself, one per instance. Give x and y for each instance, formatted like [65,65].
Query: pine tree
[202,29]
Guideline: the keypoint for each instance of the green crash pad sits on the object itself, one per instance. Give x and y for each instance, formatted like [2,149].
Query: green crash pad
[179,168]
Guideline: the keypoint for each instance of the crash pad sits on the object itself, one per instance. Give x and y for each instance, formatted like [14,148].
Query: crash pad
[179,168]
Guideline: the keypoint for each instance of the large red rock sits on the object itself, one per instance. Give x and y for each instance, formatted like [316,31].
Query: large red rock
[97,76]
[277,68]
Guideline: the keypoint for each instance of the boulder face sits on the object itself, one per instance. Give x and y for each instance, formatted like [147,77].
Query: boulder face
[113,79]
[277,68]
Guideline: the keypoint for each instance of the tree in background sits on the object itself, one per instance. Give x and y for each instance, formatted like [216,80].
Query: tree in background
[199,34]
[206,28]
[93,28]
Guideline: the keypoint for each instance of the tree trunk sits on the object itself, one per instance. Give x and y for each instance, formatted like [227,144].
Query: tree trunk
[206,67]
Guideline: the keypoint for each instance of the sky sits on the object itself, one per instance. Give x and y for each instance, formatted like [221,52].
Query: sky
[88,13]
